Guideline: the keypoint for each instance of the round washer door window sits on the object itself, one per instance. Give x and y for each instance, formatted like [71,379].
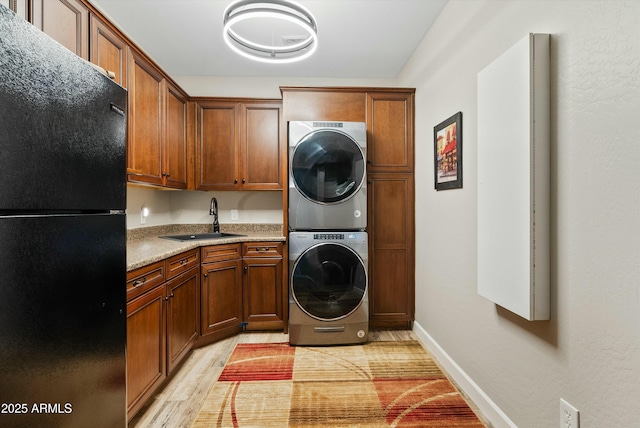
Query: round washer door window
[327,167]
[329,281]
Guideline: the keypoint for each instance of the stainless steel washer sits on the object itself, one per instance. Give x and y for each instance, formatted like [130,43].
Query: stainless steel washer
[327,175]
[328,295]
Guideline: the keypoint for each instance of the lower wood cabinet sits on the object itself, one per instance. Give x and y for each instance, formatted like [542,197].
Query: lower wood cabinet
[263,286]
[146,347]
[163,301]
[391,250]
[183,316]
[221,296]
[197,297]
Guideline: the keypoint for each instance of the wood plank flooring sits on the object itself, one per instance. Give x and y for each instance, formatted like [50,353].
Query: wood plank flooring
[177,404]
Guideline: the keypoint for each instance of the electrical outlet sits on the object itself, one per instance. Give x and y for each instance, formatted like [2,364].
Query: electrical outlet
[234,215]
[569,415]
[144,213]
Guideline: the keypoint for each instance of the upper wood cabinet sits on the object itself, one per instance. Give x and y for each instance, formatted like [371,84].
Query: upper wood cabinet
[66,21]
[20,7]
[390,131]
[174,139]
[239,145]
[261,148]
[157,146]
[330,104]
[217,145]
[108,49]
[144,151]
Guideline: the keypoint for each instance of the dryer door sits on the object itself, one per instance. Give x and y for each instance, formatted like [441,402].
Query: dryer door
[329,281]
[328,166]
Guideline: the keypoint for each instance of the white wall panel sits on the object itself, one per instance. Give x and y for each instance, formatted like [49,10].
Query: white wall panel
[513,179]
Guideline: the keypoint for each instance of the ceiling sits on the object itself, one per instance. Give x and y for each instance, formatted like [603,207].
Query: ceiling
[357,38]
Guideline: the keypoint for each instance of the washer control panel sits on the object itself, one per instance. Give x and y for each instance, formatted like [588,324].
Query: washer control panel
[358,237]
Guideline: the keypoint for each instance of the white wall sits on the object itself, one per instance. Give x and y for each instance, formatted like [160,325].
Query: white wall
[589,353]
[190,207]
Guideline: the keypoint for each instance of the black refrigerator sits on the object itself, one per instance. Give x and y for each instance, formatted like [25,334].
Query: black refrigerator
[62,236]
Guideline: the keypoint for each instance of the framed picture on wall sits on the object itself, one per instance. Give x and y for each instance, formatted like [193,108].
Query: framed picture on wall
[447,146]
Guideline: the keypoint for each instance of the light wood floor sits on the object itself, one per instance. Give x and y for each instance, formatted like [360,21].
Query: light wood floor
[177,404]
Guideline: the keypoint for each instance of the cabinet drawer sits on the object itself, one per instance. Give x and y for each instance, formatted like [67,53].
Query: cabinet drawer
[216,253]
[145,278]
[262,249]
[182,262]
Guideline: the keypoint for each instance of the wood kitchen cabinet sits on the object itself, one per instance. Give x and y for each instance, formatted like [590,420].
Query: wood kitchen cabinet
[221,291]
[239,144]
[20,7]
[108,49]
[389,132]
[390,166]
[144,144]
[66,21]
[162,323]
[262,285]
[391,250]
[157,144]
[146,347]
[174,138]
[183,306]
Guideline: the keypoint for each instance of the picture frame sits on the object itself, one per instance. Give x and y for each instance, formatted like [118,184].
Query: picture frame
[447,153]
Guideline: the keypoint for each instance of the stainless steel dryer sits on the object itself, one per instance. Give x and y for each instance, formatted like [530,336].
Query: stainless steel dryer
[327,182]
[328,295]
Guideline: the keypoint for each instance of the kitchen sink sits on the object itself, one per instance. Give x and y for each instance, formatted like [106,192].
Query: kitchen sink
[200,236]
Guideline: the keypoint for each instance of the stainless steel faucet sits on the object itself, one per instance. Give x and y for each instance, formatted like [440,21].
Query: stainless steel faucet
[213,210]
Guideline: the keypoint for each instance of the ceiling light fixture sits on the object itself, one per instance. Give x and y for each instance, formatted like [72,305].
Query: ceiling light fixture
[261,30]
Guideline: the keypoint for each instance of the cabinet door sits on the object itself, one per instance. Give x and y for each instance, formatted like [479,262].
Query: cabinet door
[390,132]
[263,293]
[391,250]
[144,149]
[182,316]
[108,50]
[221,298]
[20,7]
[217,146]
[66,21]
[175,139]
[261,146]
[146,347]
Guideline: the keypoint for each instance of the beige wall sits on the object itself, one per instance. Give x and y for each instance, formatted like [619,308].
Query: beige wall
[589,353]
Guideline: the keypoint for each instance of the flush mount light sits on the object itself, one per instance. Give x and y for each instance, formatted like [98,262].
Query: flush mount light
[273,31]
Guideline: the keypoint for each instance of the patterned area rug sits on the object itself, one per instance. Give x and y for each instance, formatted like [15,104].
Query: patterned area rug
[378,384]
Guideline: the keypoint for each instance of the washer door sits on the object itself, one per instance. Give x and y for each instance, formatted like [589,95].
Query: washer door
[329,281]
[327,167]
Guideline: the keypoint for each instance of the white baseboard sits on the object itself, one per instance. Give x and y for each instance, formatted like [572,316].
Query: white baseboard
[490,411]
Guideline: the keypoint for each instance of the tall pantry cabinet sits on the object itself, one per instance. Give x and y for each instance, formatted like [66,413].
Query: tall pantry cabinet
[390,180]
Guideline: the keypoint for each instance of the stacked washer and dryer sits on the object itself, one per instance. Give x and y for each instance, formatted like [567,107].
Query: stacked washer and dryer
[328,255]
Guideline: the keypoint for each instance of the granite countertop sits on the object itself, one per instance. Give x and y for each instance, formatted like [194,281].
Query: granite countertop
[145,247]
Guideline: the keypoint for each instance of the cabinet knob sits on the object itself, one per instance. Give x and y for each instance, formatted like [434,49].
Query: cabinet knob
[235,181]
[246,268]
[244,181]
[205,275]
